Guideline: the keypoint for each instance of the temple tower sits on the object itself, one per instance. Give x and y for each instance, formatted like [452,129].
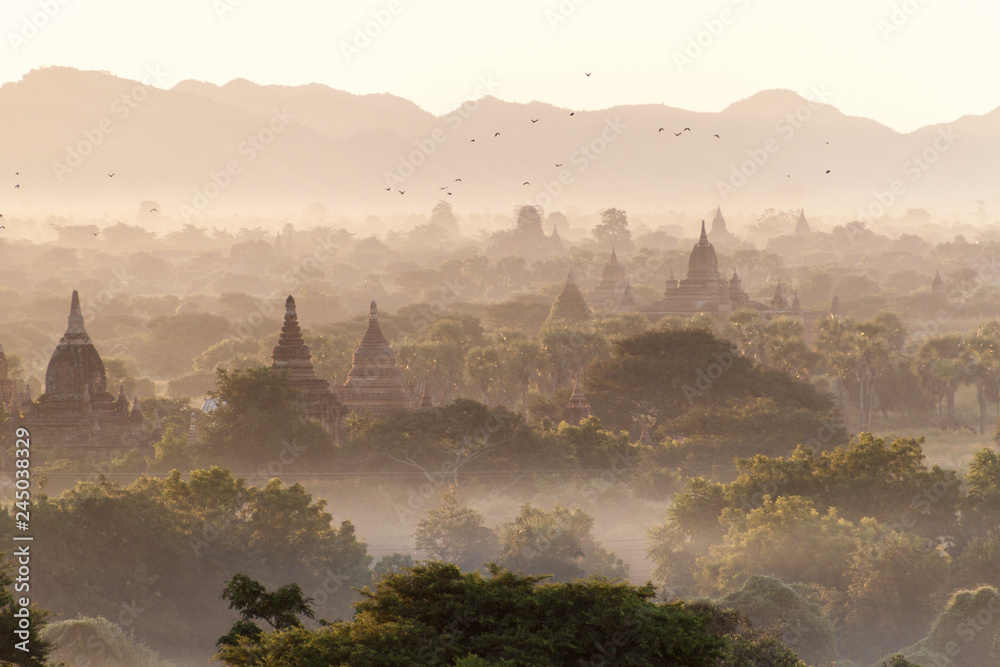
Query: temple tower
[292,356]
[578,408]
[374,384]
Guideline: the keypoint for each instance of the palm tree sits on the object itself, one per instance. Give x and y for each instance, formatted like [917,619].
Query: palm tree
[943,364]
[835,346]
[873,355]
[983,348]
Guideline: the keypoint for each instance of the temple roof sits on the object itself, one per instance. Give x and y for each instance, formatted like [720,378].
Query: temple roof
[614,272]
[703,262]
[75,368]
[291,353]
[578,408]
[570,306]
[719,224]
[802,225]
[75,334]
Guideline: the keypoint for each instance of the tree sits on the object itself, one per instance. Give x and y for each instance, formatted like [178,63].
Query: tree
[983,348]
[613,229]
[785,538]
[771,605]
[671,373]
[435,615]
[557,543]
[259,420]
[32,650]
[891,595]
[280,609]
[942,365]
[455,533]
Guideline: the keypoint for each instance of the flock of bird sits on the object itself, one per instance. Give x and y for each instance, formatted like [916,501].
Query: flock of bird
[447,188]
[559,164]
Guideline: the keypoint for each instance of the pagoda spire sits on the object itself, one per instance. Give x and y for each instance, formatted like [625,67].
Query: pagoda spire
[703,240]
[74,327]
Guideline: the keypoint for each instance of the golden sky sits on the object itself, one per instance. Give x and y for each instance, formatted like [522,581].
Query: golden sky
[904,63]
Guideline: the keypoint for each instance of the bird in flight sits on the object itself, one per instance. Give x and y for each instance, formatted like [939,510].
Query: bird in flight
[677,134]
[389,189]
[95,233]
[558,164]
[402,192]
[534,120]
[497,134]
[443,188]
[17,187]
[448,193]
[572,113]
[687,129]
[526,183]
[587,73]
[716,136]
[111,175]
[660,130]
[473,140]
[152,210]
[3,226]
[459,180]
[828,171]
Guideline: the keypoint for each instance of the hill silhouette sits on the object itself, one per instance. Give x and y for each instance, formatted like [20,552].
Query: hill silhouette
[344,150]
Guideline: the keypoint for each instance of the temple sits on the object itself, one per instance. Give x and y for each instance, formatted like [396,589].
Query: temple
[76,409]
[802,225]
[704,290]
[578,408]
[937,285]
[609,295]
[719,231]
[569,307]
[527,238]
[292,355]
[374,384]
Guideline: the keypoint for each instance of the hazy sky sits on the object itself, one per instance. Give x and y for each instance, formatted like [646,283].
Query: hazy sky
[905,63]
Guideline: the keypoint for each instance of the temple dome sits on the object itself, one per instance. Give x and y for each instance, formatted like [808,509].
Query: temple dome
[703,262]
[75,367]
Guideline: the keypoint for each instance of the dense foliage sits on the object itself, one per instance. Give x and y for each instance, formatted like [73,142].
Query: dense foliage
[153,555]
[434,614]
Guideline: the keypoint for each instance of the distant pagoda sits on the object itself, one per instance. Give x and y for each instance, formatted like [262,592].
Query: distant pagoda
[719,231]
[705,290]
[937,285]
[608,295]
[292,355]
[578,408]
[569,307]
[802,225]
[374,384]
